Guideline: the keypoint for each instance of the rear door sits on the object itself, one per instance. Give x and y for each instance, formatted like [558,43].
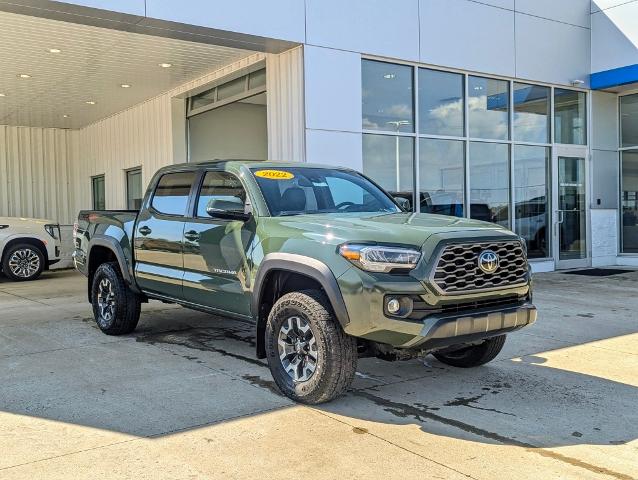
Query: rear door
[159,234]
[215,260]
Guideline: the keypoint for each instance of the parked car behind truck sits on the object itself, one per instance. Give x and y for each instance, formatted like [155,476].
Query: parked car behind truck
[28,246]
[321,259]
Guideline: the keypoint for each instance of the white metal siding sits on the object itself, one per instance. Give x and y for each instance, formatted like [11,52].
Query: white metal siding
[286,126]
[36,169]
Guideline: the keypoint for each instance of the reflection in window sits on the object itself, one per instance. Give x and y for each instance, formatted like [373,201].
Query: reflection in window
[387,97]
[441,176]
[531,113]
[222,191]
[488,104]
[629,120]
[440,103]
[489,182]
[134,189]
[388,161]
[570,118]
[531,167]
[172,192]
[629,201]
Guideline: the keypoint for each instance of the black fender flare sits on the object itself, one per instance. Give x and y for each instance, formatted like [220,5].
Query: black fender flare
[299,264]
[112,244]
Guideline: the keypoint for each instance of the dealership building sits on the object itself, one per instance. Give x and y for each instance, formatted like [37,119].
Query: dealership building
[518,112]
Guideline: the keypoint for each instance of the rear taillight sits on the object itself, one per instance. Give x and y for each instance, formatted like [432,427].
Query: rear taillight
[76,226]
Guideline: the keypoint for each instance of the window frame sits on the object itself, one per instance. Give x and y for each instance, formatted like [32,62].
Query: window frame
[127,172]
[621,151]
[93,179]
[511,142]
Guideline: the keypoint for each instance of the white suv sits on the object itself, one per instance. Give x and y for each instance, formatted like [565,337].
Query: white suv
[28,246]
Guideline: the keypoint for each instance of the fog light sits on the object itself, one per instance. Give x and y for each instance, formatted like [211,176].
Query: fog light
[393,306]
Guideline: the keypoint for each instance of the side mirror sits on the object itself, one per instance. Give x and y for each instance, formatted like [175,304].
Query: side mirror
[231,209]
[404,203]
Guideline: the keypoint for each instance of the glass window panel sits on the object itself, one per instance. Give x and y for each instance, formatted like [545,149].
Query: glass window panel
[629,120]
[203,99]
[229,89]
[388,160]
[441,103]
[257,79]
[570,118]
[441,176]
[172,192]
[488,108]
[387,97]
[134,189]
[99,197]
[531,196]
[531,113]
[489,182]
[224,189]
[629,201]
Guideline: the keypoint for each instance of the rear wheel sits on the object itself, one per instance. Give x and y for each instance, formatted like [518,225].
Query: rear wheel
[116,307]
[474,355]
[311,358]
[23,262]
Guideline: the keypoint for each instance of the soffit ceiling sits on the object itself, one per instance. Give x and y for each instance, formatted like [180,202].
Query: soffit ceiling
[91,66]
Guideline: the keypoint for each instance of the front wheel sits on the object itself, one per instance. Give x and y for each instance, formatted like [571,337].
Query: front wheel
[116,307]
[311,358]
[474,355]
[23,262]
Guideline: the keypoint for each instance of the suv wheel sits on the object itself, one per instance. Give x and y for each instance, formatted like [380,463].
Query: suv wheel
[311,358]
[116,307]
[474,355]
[23,262]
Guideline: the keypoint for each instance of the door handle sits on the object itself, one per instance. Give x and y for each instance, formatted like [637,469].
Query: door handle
[145,230]
[191,236]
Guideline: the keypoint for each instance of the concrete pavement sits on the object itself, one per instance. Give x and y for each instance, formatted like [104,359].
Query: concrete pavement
[184,397]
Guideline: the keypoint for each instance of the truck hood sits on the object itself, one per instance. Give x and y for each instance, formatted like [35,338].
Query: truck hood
[396,228]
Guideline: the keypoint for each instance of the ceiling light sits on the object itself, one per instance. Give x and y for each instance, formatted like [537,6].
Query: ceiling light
[2,95]
[24,75]
[54,50]
[125,85]
[90,102]
[165,65]
[65,116]
[389,76]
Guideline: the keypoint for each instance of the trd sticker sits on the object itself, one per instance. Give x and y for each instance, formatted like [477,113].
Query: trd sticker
[274,174]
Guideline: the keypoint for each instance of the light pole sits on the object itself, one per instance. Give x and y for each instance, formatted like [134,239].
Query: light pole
[397,124]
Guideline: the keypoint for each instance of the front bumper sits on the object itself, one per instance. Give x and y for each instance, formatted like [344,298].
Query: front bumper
[445,331]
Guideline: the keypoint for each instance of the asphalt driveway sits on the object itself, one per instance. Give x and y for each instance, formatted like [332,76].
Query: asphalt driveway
[184,397]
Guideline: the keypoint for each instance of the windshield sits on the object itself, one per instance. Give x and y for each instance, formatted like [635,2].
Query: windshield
[307,190]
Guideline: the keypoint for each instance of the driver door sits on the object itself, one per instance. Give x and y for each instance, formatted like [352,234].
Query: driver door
[216,271]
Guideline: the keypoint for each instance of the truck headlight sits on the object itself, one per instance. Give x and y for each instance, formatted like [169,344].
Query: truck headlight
[380,258]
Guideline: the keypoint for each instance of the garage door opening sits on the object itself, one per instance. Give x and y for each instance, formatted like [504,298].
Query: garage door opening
[228,120]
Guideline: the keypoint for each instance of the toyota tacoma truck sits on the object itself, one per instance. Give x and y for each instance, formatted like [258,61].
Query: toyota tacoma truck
[28,246]
[324,262]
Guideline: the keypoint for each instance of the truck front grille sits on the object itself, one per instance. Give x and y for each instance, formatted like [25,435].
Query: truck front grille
[458,270]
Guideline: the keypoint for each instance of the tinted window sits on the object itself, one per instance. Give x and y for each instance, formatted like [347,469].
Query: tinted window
[134,189]
[570,122]
[440,102]
[221,190]
[99,202]
[171,193]
[629,120]
[387,97]
[300,190]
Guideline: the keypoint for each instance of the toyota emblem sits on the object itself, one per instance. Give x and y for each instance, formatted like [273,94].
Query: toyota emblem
[488,261]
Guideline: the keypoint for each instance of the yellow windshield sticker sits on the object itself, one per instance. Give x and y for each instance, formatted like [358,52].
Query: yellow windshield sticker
[274,174]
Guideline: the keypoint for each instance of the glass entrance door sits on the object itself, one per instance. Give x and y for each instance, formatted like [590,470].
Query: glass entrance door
[571,209]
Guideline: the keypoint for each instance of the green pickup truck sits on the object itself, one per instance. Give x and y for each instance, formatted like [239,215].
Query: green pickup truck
[324,262]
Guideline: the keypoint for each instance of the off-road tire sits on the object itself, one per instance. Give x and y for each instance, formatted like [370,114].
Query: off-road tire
[8,254]
[127,304]
[474,355]
[336,351]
